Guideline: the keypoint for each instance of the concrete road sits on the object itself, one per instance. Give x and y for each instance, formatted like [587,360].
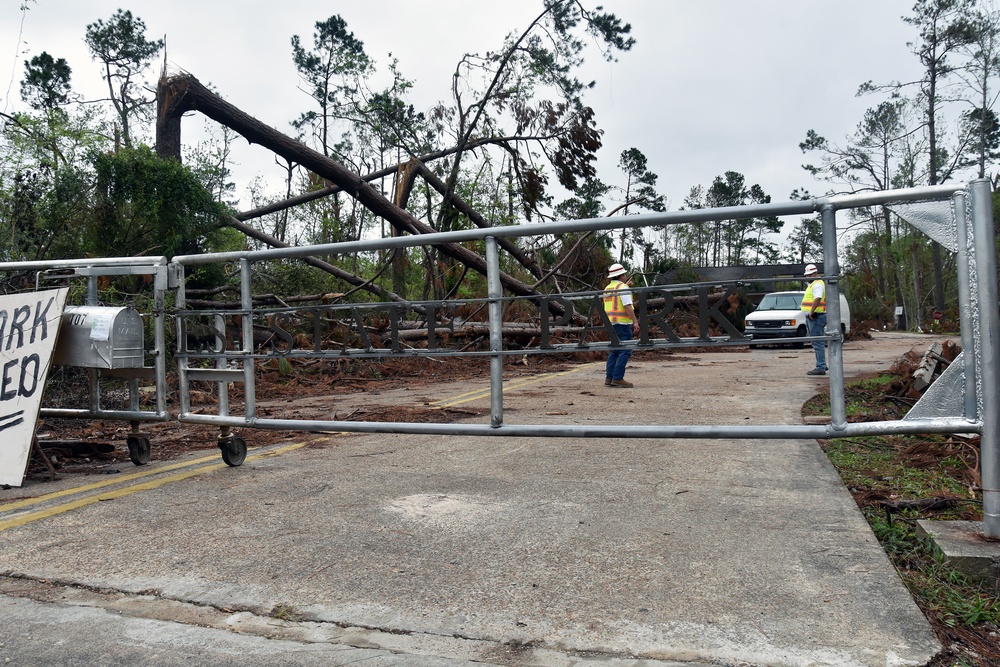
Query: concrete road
[420,550]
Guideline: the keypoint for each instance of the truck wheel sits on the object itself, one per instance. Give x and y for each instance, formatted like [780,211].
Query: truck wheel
[800,333]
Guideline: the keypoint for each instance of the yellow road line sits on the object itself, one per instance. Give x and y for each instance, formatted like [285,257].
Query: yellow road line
[90,500]
[484,393]
[100,485]
[145,486]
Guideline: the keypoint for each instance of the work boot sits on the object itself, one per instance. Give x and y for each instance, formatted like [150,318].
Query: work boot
[816,371]
[607,382]
[621,383]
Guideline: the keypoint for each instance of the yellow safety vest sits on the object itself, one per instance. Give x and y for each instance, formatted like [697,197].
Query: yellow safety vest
[613,304]
[808,299]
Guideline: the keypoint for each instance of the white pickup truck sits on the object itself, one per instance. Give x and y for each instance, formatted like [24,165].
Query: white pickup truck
[780,315]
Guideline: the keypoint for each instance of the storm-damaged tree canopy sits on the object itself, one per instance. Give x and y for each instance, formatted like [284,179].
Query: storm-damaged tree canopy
[481,159]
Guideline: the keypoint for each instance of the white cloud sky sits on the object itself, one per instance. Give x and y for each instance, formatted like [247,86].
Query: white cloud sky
[710,86]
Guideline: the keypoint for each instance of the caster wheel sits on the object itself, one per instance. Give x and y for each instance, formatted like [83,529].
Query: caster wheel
[234,450]
[138,449]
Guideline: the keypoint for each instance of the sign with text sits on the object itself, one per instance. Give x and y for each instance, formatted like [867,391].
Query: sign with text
[29,325]
[388,330]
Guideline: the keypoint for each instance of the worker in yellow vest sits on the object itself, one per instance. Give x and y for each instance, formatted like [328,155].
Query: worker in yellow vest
[618,307]
[814,306]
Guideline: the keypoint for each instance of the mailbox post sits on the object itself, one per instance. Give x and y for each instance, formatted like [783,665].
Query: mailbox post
[109,339]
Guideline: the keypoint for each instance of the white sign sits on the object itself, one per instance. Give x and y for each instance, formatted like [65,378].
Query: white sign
[29,325]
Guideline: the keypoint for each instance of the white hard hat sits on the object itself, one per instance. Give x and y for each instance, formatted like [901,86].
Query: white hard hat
[811,270]
[616,270]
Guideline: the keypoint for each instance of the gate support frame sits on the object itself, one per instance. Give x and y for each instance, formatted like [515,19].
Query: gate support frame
[984,239]
[495,289]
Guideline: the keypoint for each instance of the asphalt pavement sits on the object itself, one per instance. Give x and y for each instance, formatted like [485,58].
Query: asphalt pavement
[337,549]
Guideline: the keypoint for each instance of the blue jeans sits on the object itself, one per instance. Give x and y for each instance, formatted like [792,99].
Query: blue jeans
[817,327]
[617,359]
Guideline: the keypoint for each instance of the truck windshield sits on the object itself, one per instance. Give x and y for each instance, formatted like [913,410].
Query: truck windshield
[781,301]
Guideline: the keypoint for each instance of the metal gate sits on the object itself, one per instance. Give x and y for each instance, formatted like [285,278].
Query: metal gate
[217,344]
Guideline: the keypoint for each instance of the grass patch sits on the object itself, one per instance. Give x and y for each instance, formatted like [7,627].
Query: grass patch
[285,612]
[897,480]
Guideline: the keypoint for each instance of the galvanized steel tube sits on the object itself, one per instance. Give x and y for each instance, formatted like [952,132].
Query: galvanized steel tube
[615,431]
[879,197]
[965,304]
[183,384]
[495,292]
[124,415]
[221,363]
[91,262]
[984,239]
[160,286]
[246,300]
[835,347]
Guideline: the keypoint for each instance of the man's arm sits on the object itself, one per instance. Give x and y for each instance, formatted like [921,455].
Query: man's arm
[631,315]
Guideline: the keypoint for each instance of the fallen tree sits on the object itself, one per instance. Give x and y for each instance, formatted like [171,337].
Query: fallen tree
[179,94]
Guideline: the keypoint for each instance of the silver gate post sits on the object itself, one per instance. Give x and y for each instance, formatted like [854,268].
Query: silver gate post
[246,302]
[496,330]
[161,282]
[183,385]
[221,345]
[835,347]
[984,239]
[965,304]
[93,377]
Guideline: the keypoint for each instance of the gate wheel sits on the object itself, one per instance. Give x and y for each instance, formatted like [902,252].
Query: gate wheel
[138,449]
[234,450]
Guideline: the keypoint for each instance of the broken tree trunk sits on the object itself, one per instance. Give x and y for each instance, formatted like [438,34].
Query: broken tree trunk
[313,195]
[924,374]
[472,214]
[179,94]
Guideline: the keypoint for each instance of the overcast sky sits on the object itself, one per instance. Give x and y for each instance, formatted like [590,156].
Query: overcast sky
[710,86]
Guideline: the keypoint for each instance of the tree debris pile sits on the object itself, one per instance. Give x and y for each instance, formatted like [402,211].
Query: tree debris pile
[920,371]
[859,331]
